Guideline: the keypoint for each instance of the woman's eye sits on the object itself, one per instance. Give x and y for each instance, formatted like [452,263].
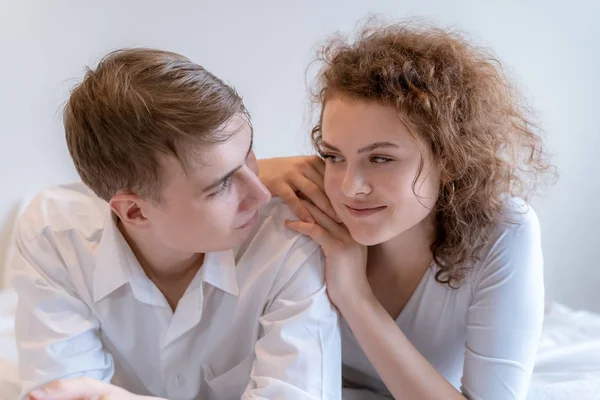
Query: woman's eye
[380,159]
[331,157]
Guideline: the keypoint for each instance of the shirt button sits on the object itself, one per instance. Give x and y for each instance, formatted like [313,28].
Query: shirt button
[179,380]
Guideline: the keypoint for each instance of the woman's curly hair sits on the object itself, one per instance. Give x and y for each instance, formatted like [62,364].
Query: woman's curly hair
[457,97]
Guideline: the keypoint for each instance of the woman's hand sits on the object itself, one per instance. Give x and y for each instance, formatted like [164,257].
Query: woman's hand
[83,389]
[293,178]
[345,259]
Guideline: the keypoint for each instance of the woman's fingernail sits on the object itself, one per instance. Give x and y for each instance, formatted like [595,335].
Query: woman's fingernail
[37,394]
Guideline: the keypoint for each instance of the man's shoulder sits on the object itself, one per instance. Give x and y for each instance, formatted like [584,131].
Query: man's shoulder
[270,240]
[278,254]
[272,226]
[60,208]
[278,210]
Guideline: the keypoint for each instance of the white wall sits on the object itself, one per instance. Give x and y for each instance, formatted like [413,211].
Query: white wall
[263,48]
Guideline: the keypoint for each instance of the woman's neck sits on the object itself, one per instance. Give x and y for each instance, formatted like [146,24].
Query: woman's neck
[408,253]
[396,267]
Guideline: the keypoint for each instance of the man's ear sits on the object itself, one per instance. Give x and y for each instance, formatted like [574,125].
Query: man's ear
[130,210]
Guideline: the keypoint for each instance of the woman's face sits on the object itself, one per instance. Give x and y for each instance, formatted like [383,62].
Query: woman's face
[372,162]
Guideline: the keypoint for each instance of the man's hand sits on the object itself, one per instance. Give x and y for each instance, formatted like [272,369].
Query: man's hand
[83,389]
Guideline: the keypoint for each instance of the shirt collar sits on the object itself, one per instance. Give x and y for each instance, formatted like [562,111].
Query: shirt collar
[109,274]
[116,265]
[219,270]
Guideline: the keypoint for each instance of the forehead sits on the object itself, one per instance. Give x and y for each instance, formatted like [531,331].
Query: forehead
[349,121]
[204,161]
[237,135]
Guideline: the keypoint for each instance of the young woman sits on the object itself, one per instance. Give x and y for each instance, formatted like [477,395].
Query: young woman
[433,255]
[436,266]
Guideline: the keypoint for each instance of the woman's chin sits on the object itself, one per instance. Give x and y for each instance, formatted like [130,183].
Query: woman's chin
[368,238]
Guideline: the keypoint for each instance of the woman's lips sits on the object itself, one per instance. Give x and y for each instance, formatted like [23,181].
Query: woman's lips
[361,211]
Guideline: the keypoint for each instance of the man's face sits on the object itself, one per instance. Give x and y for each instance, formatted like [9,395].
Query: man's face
[214,205]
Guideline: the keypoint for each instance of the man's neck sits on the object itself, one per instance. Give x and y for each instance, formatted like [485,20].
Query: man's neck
[172,272]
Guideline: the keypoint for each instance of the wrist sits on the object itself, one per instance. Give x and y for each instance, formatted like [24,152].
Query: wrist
[354,298]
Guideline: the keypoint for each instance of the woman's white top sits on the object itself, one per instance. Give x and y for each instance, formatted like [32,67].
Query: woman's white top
[484,336]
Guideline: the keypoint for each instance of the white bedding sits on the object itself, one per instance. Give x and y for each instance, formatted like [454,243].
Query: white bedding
[567,367]
[568,361]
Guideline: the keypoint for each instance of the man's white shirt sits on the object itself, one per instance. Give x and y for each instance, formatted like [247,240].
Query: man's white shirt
[255,322]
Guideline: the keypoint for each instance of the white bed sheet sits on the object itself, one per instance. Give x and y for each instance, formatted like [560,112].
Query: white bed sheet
[567,366]
[568,361]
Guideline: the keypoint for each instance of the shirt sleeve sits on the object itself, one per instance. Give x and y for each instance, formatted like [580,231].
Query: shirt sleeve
[57,335]
[505,318]
[298,355]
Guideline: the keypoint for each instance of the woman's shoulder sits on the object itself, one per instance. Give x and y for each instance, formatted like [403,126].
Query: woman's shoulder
[518,226]
[517,211]
[514,242]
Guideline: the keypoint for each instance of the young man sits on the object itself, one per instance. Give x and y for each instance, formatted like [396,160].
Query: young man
[160,274]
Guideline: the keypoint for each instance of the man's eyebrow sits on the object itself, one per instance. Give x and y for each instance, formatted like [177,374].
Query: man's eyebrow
[365,149]
[219,181]
[228,175]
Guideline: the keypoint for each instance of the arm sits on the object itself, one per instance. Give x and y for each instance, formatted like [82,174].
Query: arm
[299,354]
[505,319]
[57,335]
[404,371]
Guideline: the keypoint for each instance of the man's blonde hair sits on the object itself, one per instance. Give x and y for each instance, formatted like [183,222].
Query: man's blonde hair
[136,105]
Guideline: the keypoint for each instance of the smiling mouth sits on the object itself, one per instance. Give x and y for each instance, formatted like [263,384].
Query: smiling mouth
[250,222]
[364,211]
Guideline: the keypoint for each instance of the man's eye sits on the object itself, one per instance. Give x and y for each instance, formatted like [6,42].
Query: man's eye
[222,187]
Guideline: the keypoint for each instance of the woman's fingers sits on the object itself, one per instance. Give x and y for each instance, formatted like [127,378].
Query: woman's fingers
[326,232]
[292,178]
[307,178]
[310,169]
[322,219]
[315,194]
[326,240]
[318,164]
[291,199]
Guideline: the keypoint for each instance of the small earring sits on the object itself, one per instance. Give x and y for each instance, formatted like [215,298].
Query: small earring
[451,190]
